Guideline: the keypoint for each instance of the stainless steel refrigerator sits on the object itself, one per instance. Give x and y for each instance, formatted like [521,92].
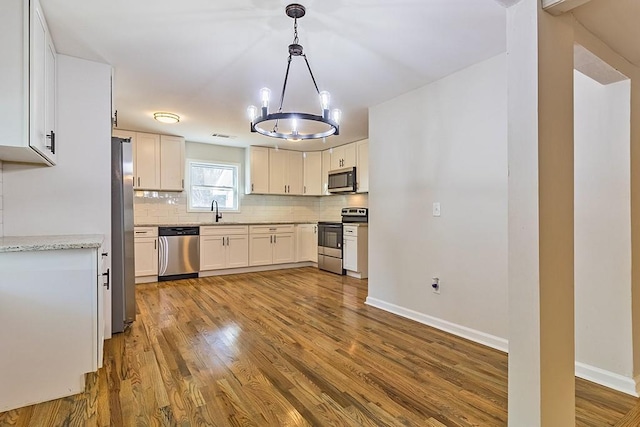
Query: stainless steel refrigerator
[123,294]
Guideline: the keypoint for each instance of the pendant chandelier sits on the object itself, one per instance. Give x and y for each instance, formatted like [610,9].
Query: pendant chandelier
[294,126]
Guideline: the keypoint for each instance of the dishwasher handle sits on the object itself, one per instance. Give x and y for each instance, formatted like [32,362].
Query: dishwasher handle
[163,256]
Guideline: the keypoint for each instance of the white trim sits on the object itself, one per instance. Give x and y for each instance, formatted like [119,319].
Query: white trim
[187,184]
[608,379]
[459,330]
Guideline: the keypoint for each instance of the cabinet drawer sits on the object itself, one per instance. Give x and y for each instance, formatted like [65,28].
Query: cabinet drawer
[350,230]
[145,232]
[271,229]
[224,230]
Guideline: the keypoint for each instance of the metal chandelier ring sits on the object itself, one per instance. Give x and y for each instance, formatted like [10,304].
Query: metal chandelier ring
[334,127]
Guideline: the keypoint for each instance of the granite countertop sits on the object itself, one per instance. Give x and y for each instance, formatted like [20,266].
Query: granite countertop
[209,224]
[50,243]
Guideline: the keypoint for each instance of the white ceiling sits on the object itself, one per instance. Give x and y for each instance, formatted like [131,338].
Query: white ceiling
[206,60]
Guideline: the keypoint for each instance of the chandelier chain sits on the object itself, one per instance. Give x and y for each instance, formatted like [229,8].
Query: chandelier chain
[295,31]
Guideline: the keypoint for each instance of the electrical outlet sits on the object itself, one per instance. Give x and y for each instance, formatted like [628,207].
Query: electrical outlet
[436,208]
[435,285]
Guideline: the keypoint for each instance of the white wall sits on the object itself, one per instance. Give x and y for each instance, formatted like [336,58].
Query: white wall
[602,225]
[447,143]
[1,226]
[73,197]
[171,207]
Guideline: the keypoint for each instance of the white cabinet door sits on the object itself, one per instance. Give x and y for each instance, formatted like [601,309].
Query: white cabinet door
[337,157]
[171,163]
[278,171]
[307,243]
[343,156]
[326,167]
[237,251]
[312,173]
[362,167]
[146,161]
[146,253]
[260,251]
[350,253]
[27,84]
[349,159]
[257,179]
[295,178]
[212,252]
[284,248]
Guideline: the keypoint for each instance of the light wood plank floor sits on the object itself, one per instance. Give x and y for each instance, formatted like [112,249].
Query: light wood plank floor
[293,348]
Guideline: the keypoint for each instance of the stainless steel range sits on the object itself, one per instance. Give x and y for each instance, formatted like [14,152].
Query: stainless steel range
[330,239]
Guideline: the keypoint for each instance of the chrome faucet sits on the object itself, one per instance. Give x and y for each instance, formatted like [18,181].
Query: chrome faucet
[218,215]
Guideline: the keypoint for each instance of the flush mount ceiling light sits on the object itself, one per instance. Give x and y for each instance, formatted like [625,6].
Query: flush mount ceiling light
[166,117]
[295,126]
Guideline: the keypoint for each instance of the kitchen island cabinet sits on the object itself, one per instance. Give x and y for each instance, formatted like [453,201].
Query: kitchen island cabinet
[52,317]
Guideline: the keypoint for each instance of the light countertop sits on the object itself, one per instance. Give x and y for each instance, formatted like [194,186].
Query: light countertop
[222,224]
[50,243]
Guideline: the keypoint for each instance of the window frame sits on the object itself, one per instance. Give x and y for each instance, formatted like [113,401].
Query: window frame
[212,163]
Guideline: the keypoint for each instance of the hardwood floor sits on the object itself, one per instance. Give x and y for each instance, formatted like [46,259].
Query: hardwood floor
[293,348]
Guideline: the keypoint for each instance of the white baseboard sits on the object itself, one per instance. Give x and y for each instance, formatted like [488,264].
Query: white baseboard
[605,378]
[256,269]
[608,379]
[461,331]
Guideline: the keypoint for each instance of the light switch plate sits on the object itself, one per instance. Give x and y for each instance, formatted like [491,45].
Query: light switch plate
[436,208]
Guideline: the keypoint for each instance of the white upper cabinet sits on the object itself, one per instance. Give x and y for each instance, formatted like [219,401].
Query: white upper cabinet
[312,173]
[362,166]
[326,167]
[285,172]
[172,163]
[343,156]
[257,170]
[158,160]
[28,85]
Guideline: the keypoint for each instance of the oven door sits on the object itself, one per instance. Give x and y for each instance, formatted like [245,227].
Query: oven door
[330,240]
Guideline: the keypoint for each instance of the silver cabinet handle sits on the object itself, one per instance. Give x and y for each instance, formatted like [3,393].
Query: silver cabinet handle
[251,187]
[155,244]
[275,239]
[285,188]
[227,241]
[138,181]
[182,183]
[223,241]
[271,239]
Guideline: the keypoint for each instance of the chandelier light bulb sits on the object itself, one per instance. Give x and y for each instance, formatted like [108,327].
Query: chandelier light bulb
[325,99]
[252,111]
[336,115]
[265,94]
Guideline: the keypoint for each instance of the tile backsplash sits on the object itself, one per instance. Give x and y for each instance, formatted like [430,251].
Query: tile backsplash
[152,207]
[1,226]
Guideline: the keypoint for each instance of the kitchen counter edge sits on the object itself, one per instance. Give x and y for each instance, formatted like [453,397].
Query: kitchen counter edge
[222,224]
[50,243]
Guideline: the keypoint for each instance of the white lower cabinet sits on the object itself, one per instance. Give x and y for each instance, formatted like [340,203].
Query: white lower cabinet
[52,323]
[355,241]
[146,251]
[271,244]
[307,242]
[224,247]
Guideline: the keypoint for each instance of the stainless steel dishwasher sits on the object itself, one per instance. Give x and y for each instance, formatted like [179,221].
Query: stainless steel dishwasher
[179,253]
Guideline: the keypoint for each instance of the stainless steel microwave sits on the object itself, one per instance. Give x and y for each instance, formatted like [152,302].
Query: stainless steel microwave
[343,180]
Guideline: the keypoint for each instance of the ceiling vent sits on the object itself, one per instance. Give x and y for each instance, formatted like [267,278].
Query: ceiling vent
[222,135]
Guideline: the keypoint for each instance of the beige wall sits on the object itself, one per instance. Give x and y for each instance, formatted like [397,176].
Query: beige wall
[446,143]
